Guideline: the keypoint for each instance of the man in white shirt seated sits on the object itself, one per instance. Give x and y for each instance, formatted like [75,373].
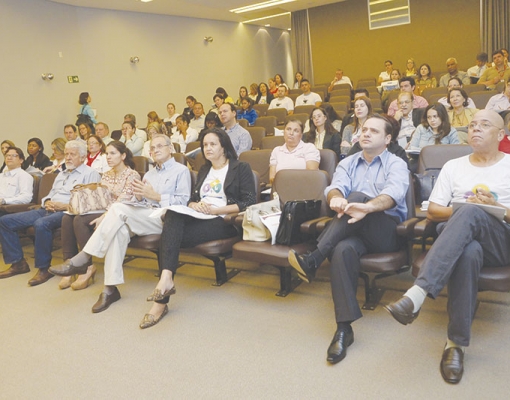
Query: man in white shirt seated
[198,122]
[455,83]
[476,71]
[139,132]
[453,72]
[308,97]
[339,79]
[71,133]
[16,185]
[103,131]
[500,102]
[385,75]
[282,101]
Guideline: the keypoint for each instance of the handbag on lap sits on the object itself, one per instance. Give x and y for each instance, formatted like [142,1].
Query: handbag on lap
[89,197]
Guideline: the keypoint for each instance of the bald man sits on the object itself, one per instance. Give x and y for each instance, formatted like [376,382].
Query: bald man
[469,238]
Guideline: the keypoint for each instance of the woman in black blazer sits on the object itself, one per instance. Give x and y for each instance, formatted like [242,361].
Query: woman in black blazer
[321,125]
[224,186]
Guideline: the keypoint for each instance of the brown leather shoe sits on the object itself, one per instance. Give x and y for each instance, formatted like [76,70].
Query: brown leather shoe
[402,310]
[452,365]
[105,301]
[68,269]
[18,268]
[42,276]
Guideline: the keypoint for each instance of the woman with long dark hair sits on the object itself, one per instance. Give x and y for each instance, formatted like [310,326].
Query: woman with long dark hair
[224,185]
[435,128]
[322,133]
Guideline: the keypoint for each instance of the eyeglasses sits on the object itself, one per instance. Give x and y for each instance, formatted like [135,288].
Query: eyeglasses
[158,147]
[403,103]
[484,125]
[11,155]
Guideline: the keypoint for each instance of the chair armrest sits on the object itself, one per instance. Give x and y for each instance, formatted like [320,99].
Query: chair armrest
[310,227]
[230,218]
[15,208]
[321,225]
[425,229]
[406,228]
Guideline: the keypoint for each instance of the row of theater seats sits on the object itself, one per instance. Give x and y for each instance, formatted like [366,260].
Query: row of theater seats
[307,185]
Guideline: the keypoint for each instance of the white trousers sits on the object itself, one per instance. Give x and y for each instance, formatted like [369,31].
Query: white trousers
[111,238]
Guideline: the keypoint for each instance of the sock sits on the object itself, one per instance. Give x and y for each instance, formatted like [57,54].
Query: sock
[417,295]
[451,343]
[80,258]
[344,326]
[318,257]
[108,289]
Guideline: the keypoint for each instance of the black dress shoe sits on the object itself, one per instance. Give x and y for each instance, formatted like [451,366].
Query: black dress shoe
[67,269]
[42,276]
[402,310]
[337,350]
[105,301]
[18,268]
[452,365]
[303,264]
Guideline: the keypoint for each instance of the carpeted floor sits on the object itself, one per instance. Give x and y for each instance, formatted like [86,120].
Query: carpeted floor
[238,341]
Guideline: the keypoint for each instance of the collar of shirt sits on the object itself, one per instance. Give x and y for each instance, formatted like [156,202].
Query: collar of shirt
[378,158]
[167,164]
[11,172]
[231,129]
[79,169]
[285,149]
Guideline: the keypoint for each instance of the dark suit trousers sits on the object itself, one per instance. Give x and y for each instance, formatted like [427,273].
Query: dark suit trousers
[345,243]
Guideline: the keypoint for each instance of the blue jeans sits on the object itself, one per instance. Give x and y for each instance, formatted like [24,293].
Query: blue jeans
[44,222]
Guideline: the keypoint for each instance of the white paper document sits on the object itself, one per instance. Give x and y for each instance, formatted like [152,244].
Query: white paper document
[157,213]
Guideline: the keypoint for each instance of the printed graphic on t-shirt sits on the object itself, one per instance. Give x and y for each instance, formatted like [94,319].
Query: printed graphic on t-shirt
[482,187]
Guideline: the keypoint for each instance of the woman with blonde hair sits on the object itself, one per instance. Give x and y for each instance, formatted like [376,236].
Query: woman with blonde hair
[153,116]
[5,146]
[58,158]
[411,68]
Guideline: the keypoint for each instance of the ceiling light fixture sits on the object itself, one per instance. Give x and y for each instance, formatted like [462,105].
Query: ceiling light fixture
[259,6]
[270,16]
[145,1]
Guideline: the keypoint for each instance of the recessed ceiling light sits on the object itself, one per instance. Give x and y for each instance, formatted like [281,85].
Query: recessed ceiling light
[145,1]
[270,16]
[267,25]
[259,6]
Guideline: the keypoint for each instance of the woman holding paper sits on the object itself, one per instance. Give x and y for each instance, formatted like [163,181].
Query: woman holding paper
[224,185]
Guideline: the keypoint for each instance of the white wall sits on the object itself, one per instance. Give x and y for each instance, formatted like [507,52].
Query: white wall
[97,44]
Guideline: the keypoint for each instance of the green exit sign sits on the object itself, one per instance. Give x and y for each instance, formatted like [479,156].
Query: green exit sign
[73,79]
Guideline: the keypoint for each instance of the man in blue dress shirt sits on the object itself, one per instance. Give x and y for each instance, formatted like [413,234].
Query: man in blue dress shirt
[368,193]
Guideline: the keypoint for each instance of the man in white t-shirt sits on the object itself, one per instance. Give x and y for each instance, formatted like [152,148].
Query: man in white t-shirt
[469,237]
[386,74]
[338,79]
[308,97]
[282,101]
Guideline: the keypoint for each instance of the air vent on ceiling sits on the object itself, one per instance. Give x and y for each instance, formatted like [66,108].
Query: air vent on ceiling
[387,13]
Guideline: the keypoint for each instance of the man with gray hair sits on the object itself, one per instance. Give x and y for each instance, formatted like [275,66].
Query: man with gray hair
[45,219]
[453,72]
[103,131]
[167,184]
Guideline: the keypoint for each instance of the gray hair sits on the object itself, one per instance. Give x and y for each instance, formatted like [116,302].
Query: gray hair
[168,141]
[75,144]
